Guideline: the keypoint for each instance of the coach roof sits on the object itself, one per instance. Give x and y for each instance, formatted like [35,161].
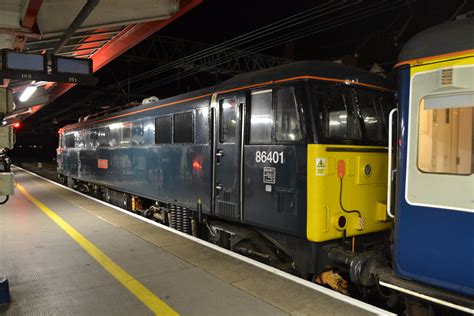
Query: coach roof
[446,38]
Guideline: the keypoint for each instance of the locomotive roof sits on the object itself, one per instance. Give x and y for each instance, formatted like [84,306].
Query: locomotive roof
[312,68]
[303,69]
[446,38]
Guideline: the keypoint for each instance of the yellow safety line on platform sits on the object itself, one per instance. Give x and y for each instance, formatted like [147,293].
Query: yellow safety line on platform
[139,290]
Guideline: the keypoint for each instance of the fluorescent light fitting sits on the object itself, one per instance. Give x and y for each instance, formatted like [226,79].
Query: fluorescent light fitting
[27,93]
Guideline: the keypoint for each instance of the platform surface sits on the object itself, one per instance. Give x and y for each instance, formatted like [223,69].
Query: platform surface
[51,273]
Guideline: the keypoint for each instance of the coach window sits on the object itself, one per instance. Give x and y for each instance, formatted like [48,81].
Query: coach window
[287,123]
[163,130]
[183,128]
[228,115]
[261,117]
[446,134]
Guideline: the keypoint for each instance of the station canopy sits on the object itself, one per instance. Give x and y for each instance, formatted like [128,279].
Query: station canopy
[100,30]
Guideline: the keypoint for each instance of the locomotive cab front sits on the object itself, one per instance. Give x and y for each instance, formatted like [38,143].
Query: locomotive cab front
[347,163]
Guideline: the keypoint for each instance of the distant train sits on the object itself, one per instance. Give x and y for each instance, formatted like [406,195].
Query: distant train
[289,166]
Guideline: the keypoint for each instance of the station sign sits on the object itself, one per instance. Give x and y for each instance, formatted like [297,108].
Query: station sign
[26,66]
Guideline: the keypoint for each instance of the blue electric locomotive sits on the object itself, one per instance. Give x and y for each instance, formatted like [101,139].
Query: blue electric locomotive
[265,164]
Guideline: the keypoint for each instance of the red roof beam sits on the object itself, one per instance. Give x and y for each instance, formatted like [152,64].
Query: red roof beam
[134,34]
[126,39]
[29,20]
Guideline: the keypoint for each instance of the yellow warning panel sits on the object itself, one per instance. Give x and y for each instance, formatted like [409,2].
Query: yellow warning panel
[364,189]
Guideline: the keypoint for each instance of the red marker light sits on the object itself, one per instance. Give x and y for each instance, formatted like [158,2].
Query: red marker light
[16,125]
[197,165]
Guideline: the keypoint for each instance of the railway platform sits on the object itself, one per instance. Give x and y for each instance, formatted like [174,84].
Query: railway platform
[66,253]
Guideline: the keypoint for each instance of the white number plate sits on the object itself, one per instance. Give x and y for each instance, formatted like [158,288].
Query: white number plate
[269,156]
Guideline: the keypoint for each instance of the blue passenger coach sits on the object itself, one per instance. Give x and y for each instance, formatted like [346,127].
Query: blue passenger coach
[434,220]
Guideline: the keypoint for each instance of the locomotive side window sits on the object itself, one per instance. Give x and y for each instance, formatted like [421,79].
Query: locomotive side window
[137,133]
[80,139]
[70,140]
[94,138]
[104,136]
[446,136]
[114,134]
[229,115]
[261,117]
[287,123]
[163,130]
[125,134]
[183,128]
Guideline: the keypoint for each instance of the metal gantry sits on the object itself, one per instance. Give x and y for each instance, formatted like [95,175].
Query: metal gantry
[160,50]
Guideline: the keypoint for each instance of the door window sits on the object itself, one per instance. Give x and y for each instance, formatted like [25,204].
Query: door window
[287,127]
[229,116]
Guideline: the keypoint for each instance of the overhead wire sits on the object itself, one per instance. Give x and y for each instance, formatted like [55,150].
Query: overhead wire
[272,42]
[275,43]
[297,34]
[253,35]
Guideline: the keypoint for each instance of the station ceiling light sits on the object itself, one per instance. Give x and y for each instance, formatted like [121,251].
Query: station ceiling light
[28,93]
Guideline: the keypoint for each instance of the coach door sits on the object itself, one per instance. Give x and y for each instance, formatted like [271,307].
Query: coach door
[227,155]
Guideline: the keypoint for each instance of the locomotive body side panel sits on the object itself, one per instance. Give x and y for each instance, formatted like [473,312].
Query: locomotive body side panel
[167,172]
[275,187]
[276,138]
